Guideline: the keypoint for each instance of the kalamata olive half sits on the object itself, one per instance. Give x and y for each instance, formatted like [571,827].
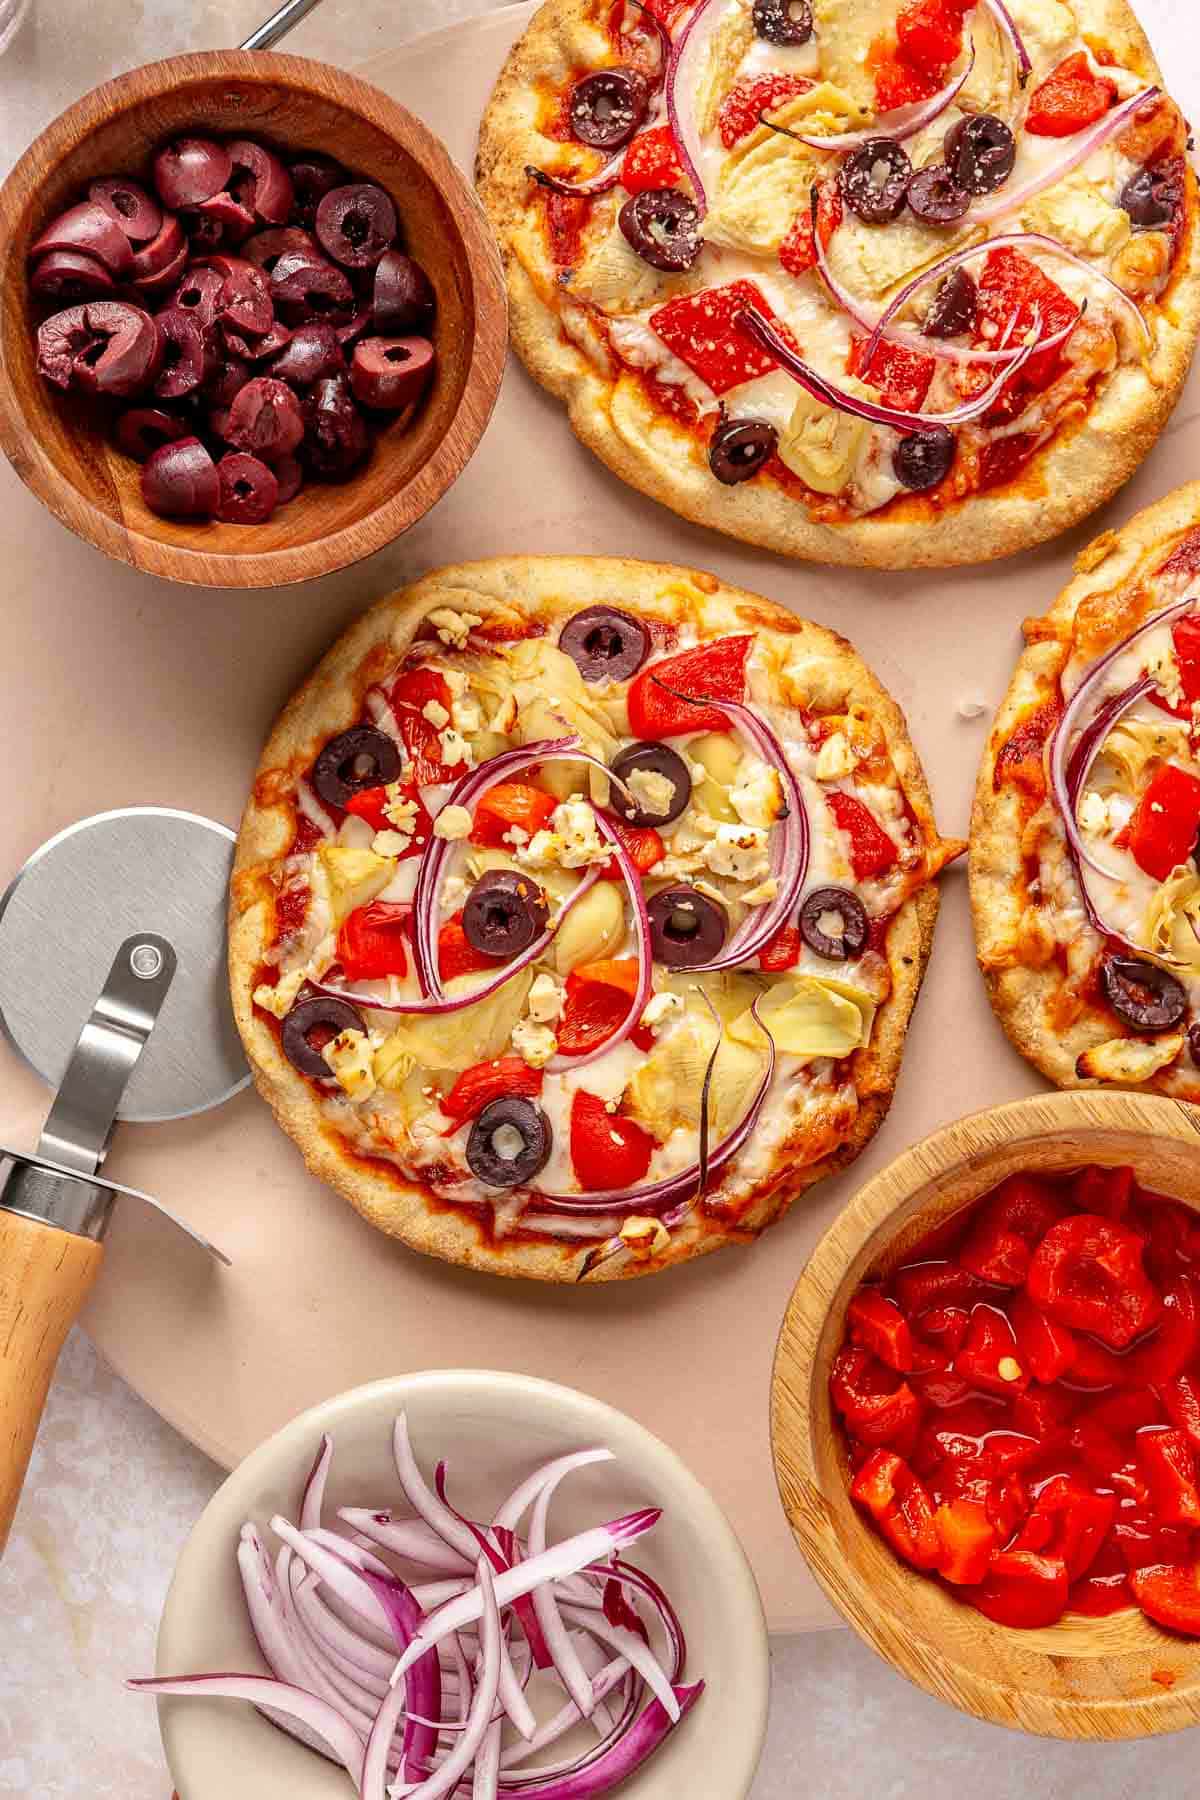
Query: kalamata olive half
[924,458]
[355,224]
[357,759]
[249,490]
[391,373]
[645,768]
[60,339]
[509,1143]
[336,438]
[980,153]
[245,299]
[740,448]
[686,928]
[88,227]
[504,913]
[199,293]
[137,213]
[663,226]
[290,477]
[402,299]
[305,288]
[123,357]
[935,196]
[1152,195]
[955,307]
[1143,995]
[787,22]
[312,1024]
[265,248]
[1193,1042]
[180,481]
[141,430]
[260,182]
[265,418]
[156,261]
[227,380]
[604,643]
[221,221]
[191,170]
[833,922]
[188,353]
[608,107]
[66,275]
[313,176]
[313,351]
[874,180]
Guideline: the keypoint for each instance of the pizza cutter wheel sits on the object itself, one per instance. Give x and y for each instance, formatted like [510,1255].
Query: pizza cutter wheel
[140,894]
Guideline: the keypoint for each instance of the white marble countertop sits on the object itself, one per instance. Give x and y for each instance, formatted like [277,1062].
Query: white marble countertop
[113,1491]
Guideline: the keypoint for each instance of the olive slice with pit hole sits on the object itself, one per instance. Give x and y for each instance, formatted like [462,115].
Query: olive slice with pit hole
[663,226]
[311,1025]
[833,922]
[604,643]
[356,759]
[935,196]
[924,458]
[606,108]
[510,1142]
[1144,996]
[504,913]
[980,153]
[740,448]
[69,275]
[785,22]
[355,224]
[874,180]
[137,213]
[123,356]
[686,928]
[663,791]
[249,490]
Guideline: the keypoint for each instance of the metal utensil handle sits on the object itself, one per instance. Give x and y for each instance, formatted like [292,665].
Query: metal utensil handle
[279,24]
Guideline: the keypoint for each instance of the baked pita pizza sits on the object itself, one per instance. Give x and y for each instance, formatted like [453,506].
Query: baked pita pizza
[888,282]
[578,915]
[1085,877]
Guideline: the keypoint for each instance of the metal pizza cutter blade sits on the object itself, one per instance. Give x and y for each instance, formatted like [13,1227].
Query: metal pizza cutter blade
[113,990]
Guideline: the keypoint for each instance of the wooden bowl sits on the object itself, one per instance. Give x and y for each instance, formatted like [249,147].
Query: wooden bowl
[1117,1677]
[65,455]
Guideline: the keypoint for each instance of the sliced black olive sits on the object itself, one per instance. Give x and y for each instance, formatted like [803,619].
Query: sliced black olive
[686,928]
[980,153]
[504,913]
[783,21]
[651,759]
[874,180]
[833,922]
[955,307]
[935,196]
[739,449]
[1193,1042]
[1143,995]
[321,1018]
[358,759]
[510,1142]
[604,643]
[924,458]
[608,107]
[663,226]
[1152,196]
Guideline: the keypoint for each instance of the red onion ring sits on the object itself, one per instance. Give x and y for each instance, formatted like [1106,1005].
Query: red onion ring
[262,1691]
[1010,200]
[602,182]
[688,53]
[1008,26]
[903,122]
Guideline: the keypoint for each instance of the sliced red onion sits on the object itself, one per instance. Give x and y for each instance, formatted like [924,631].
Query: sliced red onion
[563,1653]
[382,715]
[258,1690]
[645,955]
[590,186]
[312,1500]
[625,1758]
[636,1649]
[610,1676]
[689,55]
[411,1539]
[423,1683]
[759,328]
[1082,761]
[1079,148]
[1008,26]
[521,1499]
[903,122]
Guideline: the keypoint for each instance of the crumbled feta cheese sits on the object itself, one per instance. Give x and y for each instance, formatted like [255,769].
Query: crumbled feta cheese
[1162,665]
[834,759]
[757,798]
[456,681]
[645,1237]
[455,748]
[466,715]
[454,628]
[391,843]
[545,999]
[739,852]
[453,892]
[436,713]
[541,852]
[535,1043]
[1093,813]
[659,1010]
[351,1057]
[654,792]
[453,823]
[399,810]
[278,1000]
[763,894]
[574,841]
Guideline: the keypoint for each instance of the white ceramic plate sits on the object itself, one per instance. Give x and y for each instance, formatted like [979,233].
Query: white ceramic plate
[492,1430]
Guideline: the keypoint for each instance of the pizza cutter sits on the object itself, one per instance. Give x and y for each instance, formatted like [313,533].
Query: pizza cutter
[113,990]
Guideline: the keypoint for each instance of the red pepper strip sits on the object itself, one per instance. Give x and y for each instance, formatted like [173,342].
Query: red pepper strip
[900,1505]
[1171,1596]
[928,1284]
[1044,1413]
[1023,1590]
[1166,1461]
[968,1540]
[989,1359]
[1011,1224]
[715,671]
[1068,1522]
[1046,1349]
[879,1326]
[1176,1340]
[783,951]
[945,1326]
[370,943]
[1071,97]
[1181,1398]
[1163,830]
[607,1151]
[1087,1274]
[877,1409]
[479,1086]
[872,851]
[1105,1191]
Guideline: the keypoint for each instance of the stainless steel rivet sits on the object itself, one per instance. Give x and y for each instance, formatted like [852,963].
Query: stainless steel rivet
[146,961]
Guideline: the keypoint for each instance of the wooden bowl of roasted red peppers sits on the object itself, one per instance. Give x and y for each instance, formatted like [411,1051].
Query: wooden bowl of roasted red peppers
[295,419]
[986,1415]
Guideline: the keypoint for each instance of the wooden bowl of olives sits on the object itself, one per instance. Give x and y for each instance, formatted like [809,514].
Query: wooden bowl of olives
[252,319]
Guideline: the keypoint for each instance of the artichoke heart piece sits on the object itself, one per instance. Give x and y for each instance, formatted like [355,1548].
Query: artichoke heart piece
[593,929]
[811,1016]
[822,445]
[1133,1060]
[733,39]
[1134,745]
[615,278]
[553,701]
[765,181]
[1172,923]
[1080,215]
[665,1091]
[720,756]
[353,877]
[456,1040]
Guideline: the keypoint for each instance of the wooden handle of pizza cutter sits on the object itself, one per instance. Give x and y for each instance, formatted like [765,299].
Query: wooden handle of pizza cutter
[45,1277]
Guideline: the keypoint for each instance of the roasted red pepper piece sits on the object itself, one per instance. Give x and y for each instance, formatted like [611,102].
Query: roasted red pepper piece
[369,804]
[1174,1238]
[1181,1398]
[592,1011]
[1171,1596]
[989,1358]
[1010,289]
[1068,1522]
[1185,634]
[1163,830]
[607,1151]
[478,1087]
[921,1286]
[411,693]
[1176,1340]
[1010,1225]
[643,843]
[370,944]
[879,1326]
[509,805]
[1044,1412]
[945,1326]
[872,851]
[878,1408]
[1023,1590]
[798,251]
[457,955]
[1046,1349]
[783,951]
[1087,1274]
[1126,1411]
[1169,1468]
[900,1505]
[968,1540]
[901,377]
[1070,98]
[747,98]
[1106,1191]
[940,1388]
[652,161]
[715,671]
[702,330]
[930,33]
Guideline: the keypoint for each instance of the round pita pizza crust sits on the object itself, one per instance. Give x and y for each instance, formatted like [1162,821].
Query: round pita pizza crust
[1091,949]
[654,365]
[465,667]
